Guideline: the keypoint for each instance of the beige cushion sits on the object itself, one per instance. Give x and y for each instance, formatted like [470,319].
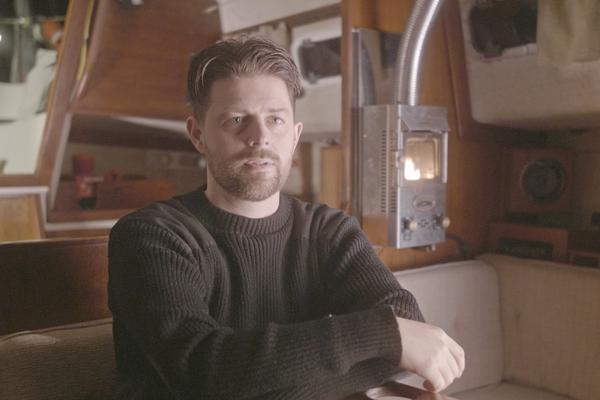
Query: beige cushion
[507,391]
[67,362]
[462,299]
[551,325]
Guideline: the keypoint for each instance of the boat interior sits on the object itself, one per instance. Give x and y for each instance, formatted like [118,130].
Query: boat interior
[477,181]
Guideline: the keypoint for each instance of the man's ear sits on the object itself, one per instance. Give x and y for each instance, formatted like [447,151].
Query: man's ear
[297,132]
[195,133]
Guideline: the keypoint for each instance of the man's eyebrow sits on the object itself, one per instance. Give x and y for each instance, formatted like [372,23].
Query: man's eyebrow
[278,110]
[230,111]
[233,110]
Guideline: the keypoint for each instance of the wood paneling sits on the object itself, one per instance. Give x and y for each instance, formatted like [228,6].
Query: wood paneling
[52,282]
[558,238]
[136,65]
[88,215]
[304,159]
[332,176]
[77,233]
[20,218]
[138,57]
[103,131]
[474,167]
[120,194]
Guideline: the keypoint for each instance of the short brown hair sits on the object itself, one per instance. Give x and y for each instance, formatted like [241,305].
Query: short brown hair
[236,57]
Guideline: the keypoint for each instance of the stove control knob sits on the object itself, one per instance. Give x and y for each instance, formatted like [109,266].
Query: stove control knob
[409,224]
[442,222]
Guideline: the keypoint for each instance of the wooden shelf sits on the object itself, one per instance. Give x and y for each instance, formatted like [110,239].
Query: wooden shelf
[106,131]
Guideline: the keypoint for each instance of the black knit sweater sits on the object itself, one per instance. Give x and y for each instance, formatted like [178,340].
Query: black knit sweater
[212,305]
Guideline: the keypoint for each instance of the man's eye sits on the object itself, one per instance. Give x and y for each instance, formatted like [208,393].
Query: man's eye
[233,121]
[276,121]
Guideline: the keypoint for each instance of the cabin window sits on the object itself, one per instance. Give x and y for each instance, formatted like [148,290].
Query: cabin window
[320,59]
[499,25]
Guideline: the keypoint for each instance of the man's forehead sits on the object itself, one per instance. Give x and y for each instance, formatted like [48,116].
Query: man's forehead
[241,108]
[238,94]
[260,82]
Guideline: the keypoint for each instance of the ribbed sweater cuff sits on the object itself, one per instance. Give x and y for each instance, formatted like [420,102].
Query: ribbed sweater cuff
[365,335]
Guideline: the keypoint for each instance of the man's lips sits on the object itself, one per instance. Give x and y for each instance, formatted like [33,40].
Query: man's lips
[259,162]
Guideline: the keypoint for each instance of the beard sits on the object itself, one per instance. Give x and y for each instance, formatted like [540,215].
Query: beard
[240,181]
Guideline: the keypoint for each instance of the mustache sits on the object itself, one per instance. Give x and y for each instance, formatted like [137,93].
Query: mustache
[263,153]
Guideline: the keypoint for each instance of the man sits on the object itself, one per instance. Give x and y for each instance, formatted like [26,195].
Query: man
[235,291]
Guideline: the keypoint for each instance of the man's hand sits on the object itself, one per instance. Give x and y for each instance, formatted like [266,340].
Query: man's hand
[430,353]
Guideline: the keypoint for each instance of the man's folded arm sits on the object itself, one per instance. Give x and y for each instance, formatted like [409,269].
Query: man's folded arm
[356,278]
[157,294]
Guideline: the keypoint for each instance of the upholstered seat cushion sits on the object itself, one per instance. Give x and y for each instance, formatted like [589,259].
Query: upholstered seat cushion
[550,325]
[462,298]
[66,362]
[508,391]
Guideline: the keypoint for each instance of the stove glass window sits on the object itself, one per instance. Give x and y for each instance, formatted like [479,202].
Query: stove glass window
[422,158]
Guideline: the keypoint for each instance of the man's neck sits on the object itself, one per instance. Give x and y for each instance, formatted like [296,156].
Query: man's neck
[246,208]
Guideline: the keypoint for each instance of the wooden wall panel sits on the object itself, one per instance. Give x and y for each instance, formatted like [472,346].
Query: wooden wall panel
[474,167]
[332,176]
[20,218]
[52,282]
[138,57]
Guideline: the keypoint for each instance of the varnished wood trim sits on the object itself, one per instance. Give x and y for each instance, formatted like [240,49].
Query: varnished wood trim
[78,233]
[58,118]
[346,134]
[306,171]
[20,217]
[86,215]
[58,100]
[106,131]
[557,237]
[52,282]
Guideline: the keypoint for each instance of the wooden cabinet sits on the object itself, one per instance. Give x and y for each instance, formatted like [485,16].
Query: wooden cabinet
[137,57]
[123,61]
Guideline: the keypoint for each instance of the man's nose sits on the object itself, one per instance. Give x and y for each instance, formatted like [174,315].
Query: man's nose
[258,134]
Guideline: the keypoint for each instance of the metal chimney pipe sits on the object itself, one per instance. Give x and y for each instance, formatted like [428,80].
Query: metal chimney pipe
[408,61]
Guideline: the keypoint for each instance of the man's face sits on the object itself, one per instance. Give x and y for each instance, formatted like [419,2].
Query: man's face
[248,135]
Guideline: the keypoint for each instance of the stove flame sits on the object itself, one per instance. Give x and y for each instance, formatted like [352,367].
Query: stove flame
[411,172]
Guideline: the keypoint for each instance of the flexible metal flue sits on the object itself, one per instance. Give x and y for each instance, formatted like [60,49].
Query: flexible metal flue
[408,62]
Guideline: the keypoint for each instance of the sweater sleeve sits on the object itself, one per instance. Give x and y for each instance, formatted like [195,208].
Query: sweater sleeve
[355,276]
[157,295]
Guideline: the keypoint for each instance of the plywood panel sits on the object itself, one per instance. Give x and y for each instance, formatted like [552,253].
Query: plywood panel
[52,282]
[20,218]
[332,176]
[138,57]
